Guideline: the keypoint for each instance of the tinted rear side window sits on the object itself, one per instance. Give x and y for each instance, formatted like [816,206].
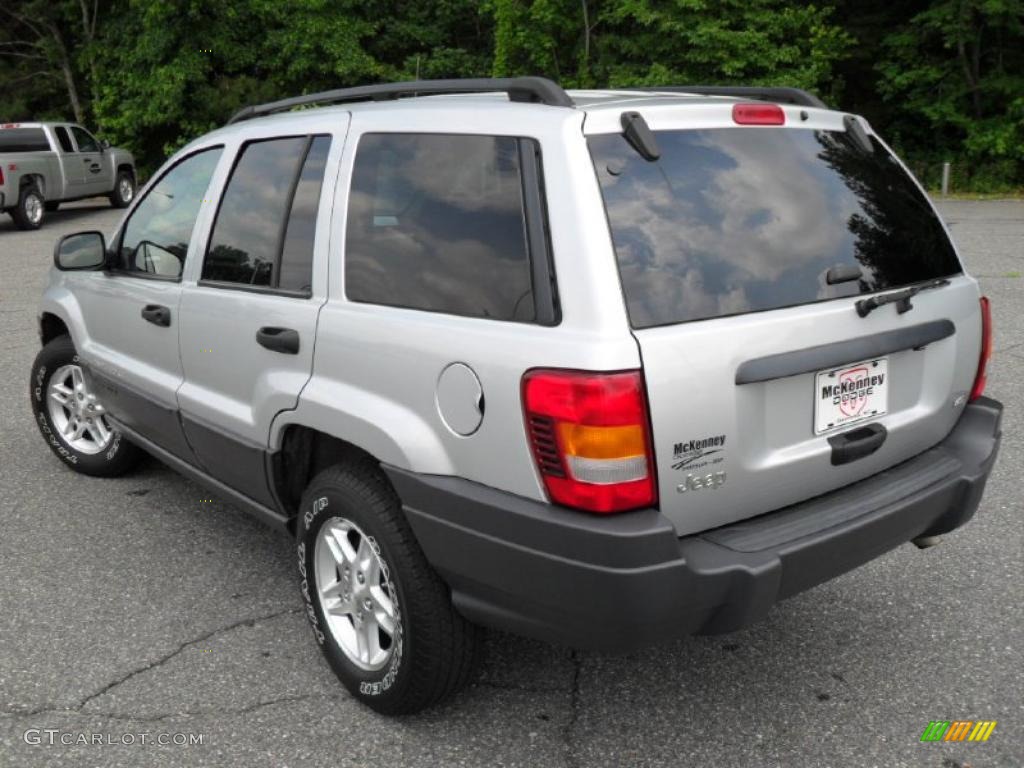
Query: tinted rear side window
[297,252]
[252,230]
[64,139]
[23,140]
[436,222]
[739,220]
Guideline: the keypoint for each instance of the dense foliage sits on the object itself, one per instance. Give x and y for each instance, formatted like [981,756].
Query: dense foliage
[943,80]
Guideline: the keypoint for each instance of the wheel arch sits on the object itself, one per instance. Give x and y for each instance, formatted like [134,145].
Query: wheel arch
[303,453]
[33,178]
[51,326]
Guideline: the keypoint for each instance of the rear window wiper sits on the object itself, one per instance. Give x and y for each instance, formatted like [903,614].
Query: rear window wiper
[900,298]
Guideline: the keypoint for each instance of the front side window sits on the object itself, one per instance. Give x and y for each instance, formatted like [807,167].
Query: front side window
[436,222]
[84,139]
[263,235]
[157,235]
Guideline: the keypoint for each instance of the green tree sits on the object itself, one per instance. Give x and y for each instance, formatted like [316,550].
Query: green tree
[670,42]
[48,54]
[955,74]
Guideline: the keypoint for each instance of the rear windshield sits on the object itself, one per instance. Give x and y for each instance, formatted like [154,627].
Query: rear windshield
[737,220]
[23,140]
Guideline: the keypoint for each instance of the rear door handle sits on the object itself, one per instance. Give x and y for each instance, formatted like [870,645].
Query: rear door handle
[157,315]
[283,340]
[857,443]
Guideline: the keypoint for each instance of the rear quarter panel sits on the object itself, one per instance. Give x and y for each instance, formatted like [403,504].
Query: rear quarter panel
[376,368]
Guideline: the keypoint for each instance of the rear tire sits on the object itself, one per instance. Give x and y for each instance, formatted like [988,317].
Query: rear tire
[92,451]
[124,190]
[432,651]
[30,210]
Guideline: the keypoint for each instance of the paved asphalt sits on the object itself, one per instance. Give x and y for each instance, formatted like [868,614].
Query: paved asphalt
[131,607]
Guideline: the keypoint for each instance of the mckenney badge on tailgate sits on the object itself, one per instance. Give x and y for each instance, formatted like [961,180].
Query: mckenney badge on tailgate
[850,394]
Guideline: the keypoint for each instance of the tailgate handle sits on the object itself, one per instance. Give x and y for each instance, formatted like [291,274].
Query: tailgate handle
[857,443]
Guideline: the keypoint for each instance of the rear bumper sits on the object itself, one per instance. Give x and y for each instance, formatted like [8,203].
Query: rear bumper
[623,581]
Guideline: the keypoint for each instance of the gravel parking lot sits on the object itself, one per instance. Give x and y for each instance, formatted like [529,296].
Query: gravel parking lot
[136,606]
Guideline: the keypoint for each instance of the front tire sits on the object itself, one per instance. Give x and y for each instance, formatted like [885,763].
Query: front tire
[381,615]
[31,208]
[124,190]
[71,419]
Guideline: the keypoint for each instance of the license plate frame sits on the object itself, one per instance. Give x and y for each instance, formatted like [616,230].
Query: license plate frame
[856,393]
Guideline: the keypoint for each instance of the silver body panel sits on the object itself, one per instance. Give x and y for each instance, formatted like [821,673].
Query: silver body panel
[368,374]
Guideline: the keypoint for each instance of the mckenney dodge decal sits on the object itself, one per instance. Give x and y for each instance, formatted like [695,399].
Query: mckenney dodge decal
[684,455]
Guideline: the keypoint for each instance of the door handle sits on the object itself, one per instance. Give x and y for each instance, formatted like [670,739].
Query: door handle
[857,443]
[157,315]
[283,340]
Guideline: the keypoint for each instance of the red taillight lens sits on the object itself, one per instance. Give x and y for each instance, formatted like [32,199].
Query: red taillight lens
[1,175]
[758,114]
[986,350]
[590,438]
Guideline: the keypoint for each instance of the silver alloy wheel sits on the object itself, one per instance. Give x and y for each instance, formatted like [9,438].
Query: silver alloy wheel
[74,411]
[126,189]
[355,593]
[33,207]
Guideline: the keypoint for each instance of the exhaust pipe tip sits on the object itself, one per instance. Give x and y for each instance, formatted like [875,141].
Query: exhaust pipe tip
[924,542]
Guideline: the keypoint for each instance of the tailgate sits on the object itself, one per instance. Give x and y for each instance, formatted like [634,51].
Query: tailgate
[743,252]
[756,441]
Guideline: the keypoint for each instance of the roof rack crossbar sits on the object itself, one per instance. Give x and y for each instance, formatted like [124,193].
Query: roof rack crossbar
[778,94]
[525,89]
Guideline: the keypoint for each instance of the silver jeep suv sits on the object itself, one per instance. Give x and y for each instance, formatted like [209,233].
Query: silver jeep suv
[597,367]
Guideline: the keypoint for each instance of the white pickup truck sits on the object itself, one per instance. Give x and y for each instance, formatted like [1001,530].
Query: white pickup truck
[45,164]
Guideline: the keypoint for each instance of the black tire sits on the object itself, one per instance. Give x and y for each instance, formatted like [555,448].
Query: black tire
[52,205]
[118,198]
[118,457]
[437,651]
[23,213]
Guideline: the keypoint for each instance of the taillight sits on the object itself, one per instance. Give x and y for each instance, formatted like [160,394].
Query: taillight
[986,350]
[758,114]
[1,175]
[590,438]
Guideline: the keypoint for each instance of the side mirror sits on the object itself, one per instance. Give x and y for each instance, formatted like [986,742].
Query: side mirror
[104,144]
[80,251]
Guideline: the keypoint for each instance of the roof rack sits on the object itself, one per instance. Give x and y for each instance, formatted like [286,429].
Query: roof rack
[777,94]
[525,89]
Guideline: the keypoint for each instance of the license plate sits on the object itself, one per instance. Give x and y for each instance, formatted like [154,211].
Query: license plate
[851,394]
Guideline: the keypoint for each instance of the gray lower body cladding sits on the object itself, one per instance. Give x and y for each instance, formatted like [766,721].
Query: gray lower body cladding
[623,581]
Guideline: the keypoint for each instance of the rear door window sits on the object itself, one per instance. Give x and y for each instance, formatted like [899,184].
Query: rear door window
[436,222]
[737,220]
[263,234]
[23,140]
[64,139]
